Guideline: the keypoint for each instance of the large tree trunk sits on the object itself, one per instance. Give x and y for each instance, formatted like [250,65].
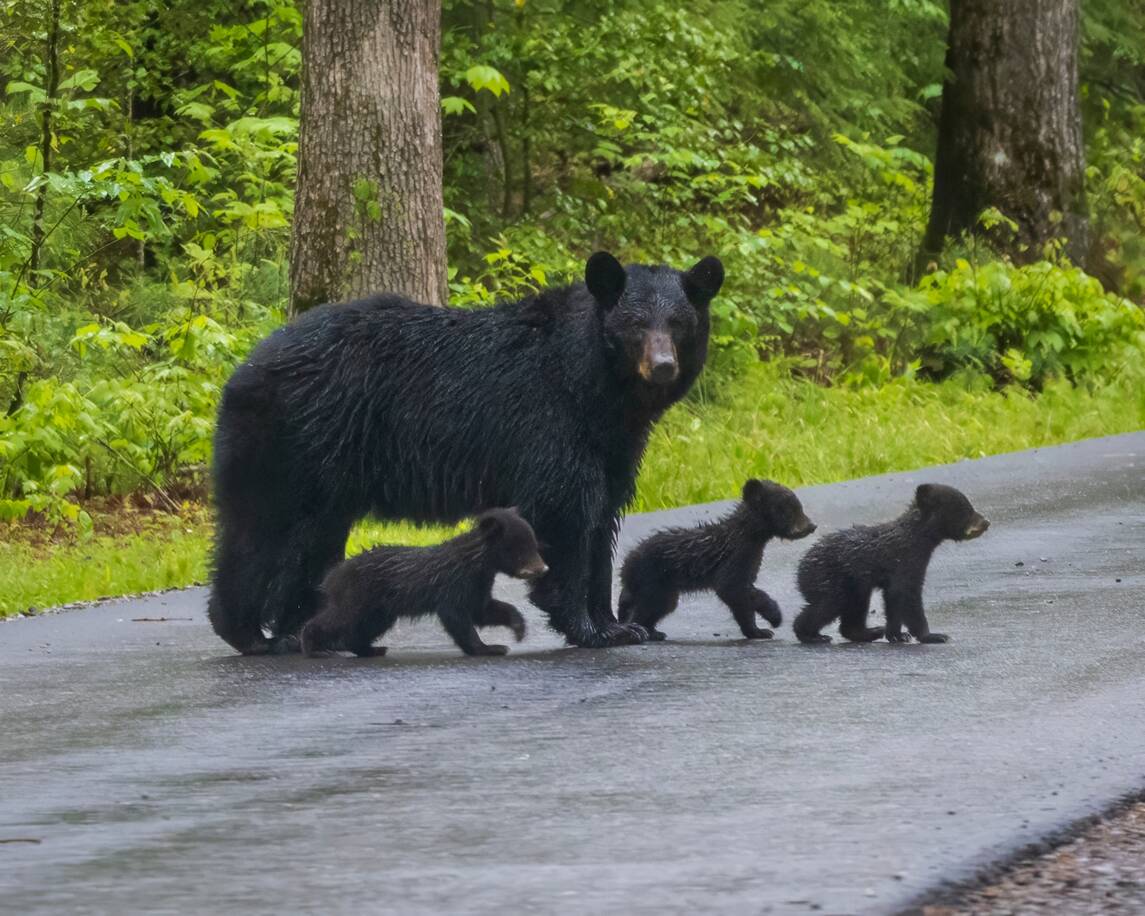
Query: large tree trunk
[368,212]
[1010,132]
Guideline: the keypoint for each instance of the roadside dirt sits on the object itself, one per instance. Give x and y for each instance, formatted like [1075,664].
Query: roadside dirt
[1102,871]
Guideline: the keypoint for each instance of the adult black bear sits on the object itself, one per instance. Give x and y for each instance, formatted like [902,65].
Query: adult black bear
[724,556]
[407,411]
[838,574]
[364,596]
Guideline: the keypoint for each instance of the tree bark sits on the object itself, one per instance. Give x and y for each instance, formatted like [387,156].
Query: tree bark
[51,90]
[1009,135]
[368,212]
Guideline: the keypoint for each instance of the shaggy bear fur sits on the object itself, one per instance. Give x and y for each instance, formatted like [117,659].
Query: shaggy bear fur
[723,556]
[368,593]
[838,574]
[408,411]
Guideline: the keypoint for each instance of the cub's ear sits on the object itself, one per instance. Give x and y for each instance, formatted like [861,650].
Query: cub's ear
[490,526]
[704,280]
[925,497]
[753,491]
[605,278]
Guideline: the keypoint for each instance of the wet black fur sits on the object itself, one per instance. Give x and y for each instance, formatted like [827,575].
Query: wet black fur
[406,411]
[838,574]
[365,595]
[723,556]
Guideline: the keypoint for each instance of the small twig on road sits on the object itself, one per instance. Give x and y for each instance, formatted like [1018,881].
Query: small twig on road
[157,619]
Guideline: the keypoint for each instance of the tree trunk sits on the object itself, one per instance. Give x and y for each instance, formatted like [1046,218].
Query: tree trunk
[51,90]
[1010,131]
[368,212]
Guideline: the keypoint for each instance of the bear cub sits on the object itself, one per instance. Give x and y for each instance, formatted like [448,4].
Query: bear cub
[723,556]
[366,594]
[838,575]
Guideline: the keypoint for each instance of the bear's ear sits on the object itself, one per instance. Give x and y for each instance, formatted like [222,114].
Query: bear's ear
[490,526]
[704,280]
[753,491]
[605,278]
[924,498]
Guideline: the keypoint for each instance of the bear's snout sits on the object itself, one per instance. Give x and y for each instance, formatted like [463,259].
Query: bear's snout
[658,359]
[977,527]
[803,528]
[533,570]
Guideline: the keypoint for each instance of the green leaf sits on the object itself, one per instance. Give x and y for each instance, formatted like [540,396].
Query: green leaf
[17,86]
[86,80]
[455,105]
[200,111]
[482,76]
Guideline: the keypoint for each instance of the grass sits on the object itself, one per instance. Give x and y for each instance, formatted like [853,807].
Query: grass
[798,433]
[768,425]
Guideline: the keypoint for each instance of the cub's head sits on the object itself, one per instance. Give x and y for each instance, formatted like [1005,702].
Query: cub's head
[949,512]
[777,508]
[655,319]
[511,544]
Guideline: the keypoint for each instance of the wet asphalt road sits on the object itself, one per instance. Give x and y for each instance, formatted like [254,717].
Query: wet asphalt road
[159,773]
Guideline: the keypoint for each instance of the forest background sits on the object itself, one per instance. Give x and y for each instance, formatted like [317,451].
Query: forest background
[149,176]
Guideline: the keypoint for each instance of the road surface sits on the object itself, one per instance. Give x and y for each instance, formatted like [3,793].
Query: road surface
[143,768]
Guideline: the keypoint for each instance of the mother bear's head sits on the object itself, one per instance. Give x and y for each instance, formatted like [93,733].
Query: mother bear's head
[655,319]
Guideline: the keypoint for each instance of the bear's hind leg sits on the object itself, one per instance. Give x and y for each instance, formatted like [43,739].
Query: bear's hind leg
[853,619]
[238,585]
[648,607]
[819,612]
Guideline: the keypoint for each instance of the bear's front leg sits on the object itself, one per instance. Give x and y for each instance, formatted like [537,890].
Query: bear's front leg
[904,603]
[600,588]
[501,614]
[562,594]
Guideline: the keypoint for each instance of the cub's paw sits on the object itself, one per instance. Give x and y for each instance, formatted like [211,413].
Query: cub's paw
[758,633]
[655,635]
[769,611]
[899,637]
[935,638]
[813,639]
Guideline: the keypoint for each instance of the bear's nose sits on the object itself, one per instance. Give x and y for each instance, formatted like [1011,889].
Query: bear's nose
[664,370]
[658,361]
[533,570]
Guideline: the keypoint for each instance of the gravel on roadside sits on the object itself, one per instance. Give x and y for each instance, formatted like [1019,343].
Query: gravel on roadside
[1102,871]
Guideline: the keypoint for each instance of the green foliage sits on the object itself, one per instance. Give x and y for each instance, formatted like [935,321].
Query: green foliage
[1027,324]
[767,423]
[773,424]
[146,193]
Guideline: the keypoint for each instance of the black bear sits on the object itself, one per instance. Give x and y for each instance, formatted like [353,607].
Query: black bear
[838,574]
[365,595]
[723,556]
[407,411]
